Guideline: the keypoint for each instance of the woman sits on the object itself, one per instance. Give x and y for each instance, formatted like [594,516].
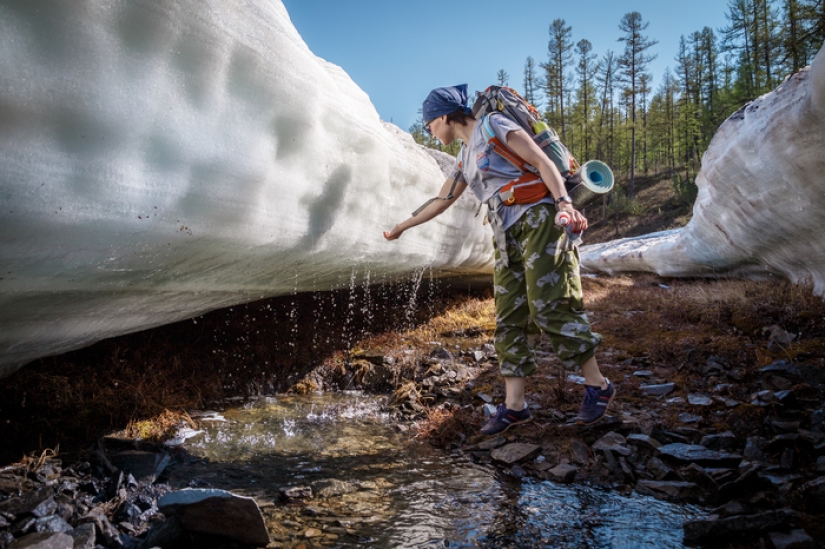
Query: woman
[536,273]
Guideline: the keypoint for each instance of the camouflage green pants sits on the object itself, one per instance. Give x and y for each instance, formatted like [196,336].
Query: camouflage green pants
[541,283]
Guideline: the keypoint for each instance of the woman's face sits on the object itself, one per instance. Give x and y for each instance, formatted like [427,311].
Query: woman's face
[439,129]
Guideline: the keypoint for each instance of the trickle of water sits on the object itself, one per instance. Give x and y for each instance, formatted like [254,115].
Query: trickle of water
[293,316]
[347,329]
[415,284]
[367,309]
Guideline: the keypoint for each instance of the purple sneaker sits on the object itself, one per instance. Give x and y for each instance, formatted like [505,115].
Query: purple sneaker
[595,403]
[504,419]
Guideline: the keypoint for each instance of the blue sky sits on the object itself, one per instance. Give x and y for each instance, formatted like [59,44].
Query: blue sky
[397,51]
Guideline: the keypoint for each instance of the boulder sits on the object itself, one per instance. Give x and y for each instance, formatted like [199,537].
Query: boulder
[218,512]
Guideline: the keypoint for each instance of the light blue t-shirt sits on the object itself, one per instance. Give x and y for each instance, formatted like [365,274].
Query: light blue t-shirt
[486,172]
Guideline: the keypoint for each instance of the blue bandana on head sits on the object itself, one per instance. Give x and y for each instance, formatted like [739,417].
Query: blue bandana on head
[443,101]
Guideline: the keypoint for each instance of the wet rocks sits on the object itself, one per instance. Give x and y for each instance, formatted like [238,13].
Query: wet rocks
[217,512]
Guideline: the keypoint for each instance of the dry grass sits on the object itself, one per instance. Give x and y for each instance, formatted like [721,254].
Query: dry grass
[158,428]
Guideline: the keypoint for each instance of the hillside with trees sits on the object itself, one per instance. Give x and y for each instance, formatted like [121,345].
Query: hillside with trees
[603,106]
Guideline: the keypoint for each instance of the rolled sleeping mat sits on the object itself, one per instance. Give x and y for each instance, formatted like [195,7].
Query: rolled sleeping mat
[596,176]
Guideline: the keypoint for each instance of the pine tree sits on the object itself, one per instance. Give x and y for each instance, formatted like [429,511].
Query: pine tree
[559,50]
[633,63]
[586,70]
[502,77]
[531,83]
[605,79]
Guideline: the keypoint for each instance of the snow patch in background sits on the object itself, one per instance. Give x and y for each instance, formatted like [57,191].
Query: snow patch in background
[761,202]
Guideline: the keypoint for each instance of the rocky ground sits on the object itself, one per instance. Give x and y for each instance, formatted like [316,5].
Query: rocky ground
[721,402]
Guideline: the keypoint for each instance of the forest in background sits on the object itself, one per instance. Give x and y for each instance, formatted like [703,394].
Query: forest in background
[603,107]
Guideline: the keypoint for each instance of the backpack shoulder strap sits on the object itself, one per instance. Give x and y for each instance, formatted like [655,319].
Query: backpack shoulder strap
[501,148]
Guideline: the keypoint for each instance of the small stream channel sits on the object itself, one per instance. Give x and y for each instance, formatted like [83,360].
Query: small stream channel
[374,485]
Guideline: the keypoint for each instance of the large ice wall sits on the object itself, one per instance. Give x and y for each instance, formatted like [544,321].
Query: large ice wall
[761,202]
[160,158]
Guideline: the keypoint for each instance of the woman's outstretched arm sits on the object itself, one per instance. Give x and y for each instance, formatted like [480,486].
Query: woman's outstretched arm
[433,209]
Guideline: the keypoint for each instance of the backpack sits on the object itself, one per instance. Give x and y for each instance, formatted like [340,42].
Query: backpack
[528,188]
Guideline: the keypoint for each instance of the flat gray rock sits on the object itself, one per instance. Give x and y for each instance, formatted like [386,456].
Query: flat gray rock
[218,512]
[660,390]
[43,540]
[515,452]
[699,400]
[695,453]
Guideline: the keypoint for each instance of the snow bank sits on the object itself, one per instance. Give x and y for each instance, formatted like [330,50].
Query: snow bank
[163,159]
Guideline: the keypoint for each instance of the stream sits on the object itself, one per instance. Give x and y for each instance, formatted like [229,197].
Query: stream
[375,485]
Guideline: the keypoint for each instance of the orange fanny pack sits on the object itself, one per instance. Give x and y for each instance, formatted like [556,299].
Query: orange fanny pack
[527,189]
